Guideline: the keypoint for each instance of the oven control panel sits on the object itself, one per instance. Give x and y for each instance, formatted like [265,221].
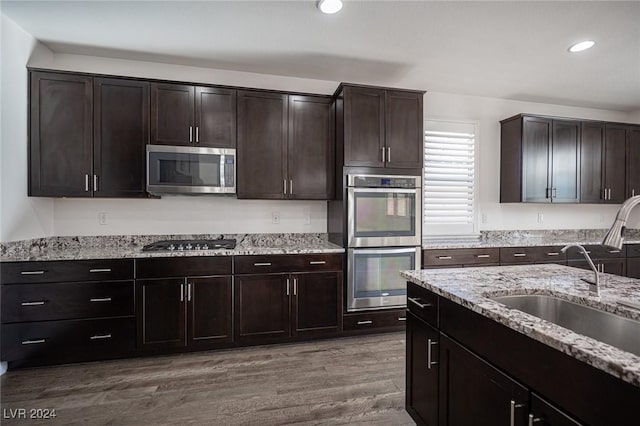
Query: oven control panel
[377,181]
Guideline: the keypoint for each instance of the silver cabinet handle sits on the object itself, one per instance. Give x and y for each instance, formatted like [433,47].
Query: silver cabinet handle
[189,288]
[402,318]
[633,192]
[182,292]
[430,344]
[93,271]
[197,134]
[554,193]
[613,251]
[519,255]
[553,253]
[317,262]
[33,342]
[190,133]
[512,411]
[364,322]
[38,303]
[533,419]
[421,305]
[262,264]
[31,272]
[604,194]
[609,194]
[95,182]
[100,336]
[86,183]
[388,154]
[285,186]
[483,256]
[290,186]
[444,257]
[287,286]
[383,155]
[101,299]
[295,286]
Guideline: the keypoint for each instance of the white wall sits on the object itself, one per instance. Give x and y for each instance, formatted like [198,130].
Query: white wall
[634,117]
[21,217]
[488,112]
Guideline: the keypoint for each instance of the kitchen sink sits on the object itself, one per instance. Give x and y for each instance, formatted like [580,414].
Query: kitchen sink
[621,332]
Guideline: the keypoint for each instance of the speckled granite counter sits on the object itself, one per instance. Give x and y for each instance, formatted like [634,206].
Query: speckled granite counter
[472,288]
[126,247]
[561,237]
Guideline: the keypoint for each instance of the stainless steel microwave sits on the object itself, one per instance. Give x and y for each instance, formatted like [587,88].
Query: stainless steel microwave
[190,170]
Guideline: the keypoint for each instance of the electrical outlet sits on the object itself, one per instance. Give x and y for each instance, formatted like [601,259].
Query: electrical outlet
[485,218]
[540,218]
[102,218]
[275,217]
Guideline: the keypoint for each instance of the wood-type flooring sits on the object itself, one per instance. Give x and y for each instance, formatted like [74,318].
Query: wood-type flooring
[356,380]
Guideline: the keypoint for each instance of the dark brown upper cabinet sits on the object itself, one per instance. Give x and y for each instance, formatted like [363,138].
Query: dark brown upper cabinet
[60,142]
[88,136]
[540,160]
[591,163]
[633,161]
[614,173]
[285,146]
[193,115]
[380,127]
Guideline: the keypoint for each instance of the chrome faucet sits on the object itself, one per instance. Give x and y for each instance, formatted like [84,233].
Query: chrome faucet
[594,285]
[615,237]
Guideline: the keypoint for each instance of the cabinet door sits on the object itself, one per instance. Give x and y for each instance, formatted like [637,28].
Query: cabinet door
[633,162]
[160,313]
[363,127]
[262,307]
[317,303]
[215,117]
[591,162]
[422,371]
[210,310]
[633,267]
[404,137]
[614,163]
[262,145]
[610,266]
[536,140]
[472,392]
[172,115]
[565,162]
[121,133]
[311,148]
[60,136]
[544,414]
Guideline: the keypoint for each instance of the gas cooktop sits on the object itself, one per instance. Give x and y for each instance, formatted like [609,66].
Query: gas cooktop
[190,245]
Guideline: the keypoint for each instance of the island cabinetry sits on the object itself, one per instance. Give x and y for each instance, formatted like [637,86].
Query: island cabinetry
[452,258]
[55,312]
[278,297]
[605,260]
[184,303]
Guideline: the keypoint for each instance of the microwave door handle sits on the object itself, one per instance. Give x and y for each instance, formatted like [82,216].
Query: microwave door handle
[222,160]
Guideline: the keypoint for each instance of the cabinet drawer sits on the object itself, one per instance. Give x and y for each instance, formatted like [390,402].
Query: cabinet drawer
[510,255]
[453,257]
[167,267]
[65,341]
[633,250]
[596,252]
[67,270]
[41,302]
[422,303]
[318,262]
[374,320]
[264,264]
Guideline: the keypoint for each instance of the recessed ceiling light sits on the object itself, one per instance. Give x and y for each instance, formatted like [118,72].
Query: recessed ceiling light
[329,6]
[583,45]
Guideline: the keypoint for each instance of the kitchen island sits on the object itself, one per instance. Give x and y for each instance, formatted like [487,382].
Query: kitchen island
[474,360]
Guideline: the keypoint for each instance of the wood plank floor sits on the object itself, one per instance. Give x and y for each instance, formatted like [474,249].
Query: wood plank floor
[357,380]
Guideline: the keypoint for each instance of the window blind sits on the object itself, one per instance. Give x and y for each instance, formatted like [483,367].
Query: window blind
[449,178]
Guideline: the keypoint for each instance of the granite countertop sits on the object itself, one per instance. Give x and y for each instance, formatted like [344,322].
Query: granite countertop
[473,288]
[130,247]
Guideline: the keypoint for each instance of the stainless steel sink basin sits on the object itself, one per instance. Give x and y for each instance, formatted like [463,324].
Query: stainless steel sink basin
[623,333]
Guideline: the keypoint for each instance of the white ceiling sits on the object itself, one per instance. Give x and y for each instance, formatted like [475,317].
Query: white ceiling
[514,50]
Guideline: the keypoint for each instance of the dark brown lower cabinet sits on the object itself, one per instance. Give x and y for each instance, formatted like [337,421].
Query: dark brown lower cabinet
[633,267]
[422,370]
[181,312]
[610,266]
[317,304]
[542,413]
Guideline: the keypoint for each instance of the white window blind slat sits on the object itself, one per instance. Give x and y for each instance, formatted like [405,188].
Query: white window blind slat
[449,178]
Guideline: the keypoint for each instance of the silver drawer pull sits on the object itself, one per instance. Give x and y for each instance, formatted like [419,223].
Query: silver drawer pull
[519,255]
[613,251]
[100,336]
[317,262]
[402,318]
[421,305]
[102,299]
[262,264]
[365,322]
[33,342]
[444,257]
[483,256]
[553,253]
[39,303]
[100,270]
[31,272]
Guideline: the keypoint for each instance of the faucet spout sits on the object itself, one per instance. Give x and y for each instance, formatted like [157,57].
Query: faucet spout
[615,236]
[594,285]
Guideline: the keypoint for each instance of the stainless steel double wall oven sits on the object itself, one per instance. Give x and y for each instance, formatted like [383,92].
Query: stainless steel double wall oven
[384,236]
